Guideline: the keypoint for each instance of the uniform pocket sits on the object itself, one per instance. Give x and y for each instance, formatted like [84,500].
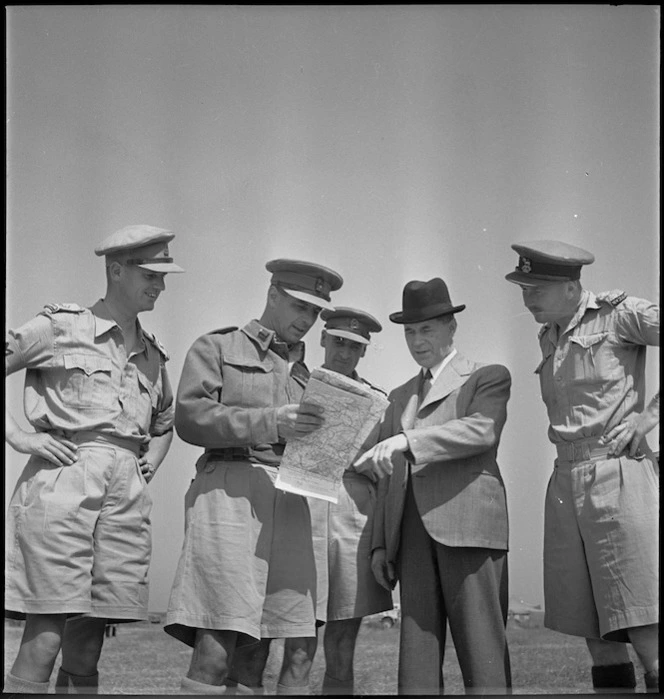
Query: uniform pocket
[87,380]
[248,382]
[589,358]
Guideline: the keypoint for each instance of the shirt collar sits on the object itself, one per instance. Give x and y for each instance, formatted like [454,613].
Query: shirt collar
[104,322]
[438,368]
[587,300]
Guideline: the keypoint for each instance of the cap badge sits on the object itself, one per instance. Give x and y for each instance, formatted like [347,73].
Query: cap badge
[354,324]
[320,285]
[525,266]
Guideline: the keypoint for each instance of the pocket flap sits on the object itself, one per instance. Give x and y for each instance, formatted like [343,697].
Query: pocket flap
[250,363]
[587,341]
[89,363]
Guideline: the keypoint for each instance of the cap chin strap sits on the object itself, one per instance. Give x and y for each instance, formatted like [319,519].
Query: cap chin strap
[147,260]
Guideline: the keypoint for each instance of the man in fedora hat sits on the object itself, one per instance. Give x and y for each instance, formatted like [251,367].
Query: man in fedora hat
[247,573]
[601,550]
[441,521]
[99,399]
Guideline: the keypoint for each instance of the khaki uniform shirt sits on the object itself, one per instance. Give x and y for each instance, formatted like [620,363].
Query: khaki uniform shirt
[233,380]
[593,374]
[79,377]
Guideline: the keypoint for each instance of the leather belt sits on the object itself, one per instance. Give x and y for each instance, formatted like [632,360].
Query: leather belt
[575,452]
[243,453]
[229,454]
[89,438]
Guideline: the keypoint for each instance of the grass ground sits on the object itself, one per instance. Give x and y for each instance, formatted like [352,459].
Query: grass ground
[143,659]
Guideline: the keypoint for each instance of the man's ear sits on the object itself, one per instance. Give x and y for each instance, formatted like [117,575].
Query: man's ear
[114,270]
[272,296]
[364,350]
[323,337]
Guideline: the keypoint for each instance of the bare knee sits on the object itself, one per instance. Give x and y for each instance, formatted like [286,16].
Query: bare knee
[607,652]
[213,653]
[298,659]
[340,639]
[40,645]
[82,643]
[645,641]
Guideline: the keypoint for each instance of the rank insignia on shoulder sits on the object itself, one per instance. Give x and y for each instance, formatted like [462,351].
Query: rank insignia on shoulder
[59,307]
[223,331]
[615,297]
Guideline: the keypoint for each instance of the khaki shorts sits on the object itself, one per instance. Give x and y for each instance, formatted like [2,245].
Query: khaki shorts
[601,547]
[247,562]
[78,537]
[342,540]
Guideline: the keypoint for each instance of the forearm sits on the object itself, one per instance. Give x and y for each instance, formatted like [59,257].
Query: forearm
[158,448]
[206,423]
[13,432]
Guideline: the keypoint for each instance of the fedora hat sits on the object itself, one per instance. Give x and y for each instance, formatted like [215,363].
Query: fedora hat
[425,300]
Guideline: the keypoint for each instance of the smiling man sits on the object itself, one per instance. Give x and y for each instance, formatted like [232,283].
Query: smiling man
[441,520]
[99,399]
[601,551]
[247,574]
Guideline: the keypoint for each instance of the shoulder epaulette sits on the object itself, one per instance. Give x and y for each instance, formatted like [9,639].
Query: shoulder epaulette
[157,344]
[375,388]
[223,331]
[615,297]
[50,308]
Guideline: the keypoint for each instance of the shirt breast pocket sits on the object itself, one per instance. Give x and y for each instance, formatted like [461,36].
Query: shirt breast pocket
[590,360]
[87,381]
[248,382]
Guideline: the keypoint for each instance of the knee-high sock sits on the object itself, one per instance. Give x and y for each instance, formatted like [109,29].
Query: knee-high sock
[189,686]
[617,678]
[17,685]
[284,690]
[331,685]
[67,683]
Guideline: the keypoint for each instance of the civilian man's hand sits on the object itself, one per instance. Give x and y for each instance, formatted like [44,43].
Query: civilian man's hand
[298,419]
[378,460]
[57,450]
[383,569]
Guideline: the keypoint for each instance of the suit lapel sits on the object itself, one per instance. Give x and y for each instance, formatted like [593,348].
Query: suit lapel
[453,376]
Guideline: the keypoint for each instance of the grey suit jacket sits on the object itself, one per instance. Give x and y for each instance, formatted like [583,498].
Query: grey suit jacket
[453,440]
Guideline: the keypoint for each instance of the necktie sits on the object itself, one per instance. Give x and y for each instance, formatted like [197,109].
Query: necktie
[426,385]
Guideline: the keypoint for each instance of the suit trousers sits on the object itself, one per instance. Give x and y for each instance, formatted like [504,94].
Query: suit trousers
[465,586]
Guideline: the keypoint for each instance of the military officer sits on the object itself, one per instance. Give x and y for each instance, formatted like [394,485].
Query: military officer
[246,573]
[98,397]
[347,588]
[601,509]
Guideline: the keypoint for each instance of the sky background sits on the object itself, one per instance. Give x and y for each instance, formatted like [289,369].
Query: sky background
[390,143]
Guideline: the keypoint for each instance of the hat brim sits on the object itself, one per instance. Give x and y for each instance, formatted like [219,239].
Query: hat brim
[529,280]
[346,334]
[418,316]
[308,298]
[164,267]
